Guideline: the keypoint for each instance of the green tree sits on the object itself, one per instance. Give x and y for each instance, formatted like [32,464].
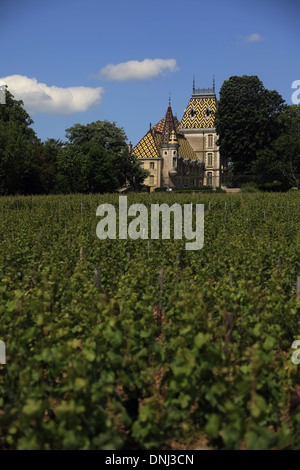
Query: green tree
[104,133]
[17,140]
[129,169]
[86,168]
[246,120]
[101,160]
[281,161]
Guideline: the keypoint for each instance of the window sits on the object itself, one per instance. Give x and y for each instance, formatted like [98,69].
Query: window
[209,179]
[209,159]
[174,162]
[142,164]
[151,165]
[151,179]
[210,141]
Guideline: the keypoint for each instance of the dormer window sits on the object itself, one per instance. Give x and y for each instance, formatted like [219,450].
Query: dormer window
[193,113]
[208,113]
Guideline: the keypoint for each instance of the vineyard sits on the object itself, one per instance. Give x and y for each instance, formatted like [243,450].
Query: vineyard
[140,344]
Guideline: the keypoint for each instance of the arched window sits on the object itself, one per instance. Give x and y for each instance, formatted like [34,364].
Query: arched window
[209,159]
[209,178]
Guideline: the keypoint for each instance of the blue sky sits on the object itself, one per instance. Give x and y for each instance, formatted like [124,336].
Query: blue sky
[75,61]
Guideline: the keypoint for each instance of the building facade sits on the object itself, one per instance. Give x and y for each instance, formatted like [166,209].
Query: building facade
[167,155]
[185,153]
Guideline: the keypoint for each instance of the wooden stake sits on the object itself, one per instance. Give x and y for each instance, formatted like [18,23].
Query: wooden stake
[298,287]
[97,276]
[161,278]
[159,306]
[229,324]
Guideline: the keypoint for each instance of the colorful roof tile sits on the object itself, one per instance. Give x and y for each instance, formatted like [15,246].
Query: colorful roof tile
[149,146]
[200,113]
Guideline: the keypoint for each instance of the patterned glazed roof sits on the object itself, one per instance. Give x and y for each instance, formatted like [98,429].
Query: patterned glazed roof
[185,150]
[159,127]
[149,146]
[200,113]
[169,127]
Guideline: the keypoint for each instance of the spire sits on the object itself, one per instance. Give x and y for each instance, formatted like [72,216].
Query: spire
[169,98]
[169,126]
[214,84]
[193,84]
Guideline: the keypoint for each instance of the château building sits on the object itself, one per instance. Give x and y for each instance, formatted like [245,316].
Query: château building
[184,153]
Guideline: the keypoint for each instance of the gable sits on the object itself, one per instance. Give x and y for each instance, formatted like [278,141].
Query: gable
[199,107]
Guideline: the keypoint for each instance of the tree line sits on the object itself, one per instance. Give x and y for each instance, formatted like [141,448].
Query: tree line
[259,135]
[95,158]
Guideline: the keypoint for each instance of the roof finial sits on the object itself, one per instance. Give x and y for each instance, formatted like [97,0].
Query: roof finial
[214,84]
[169,98]
[194,84]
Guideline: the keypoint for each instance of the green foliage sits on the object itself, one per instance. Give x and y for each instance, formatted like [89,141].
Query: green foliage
[249,188]
[104,133]
[90,369]
[282,160]
[97,159]
[17,141]
[246,120]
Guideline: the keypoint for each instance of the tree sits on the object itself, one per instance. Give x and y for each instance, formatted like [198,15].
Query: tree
[86,168]
[246,120]
[281,161]
[17,140]
[97,159]
[129,169]
[104,133]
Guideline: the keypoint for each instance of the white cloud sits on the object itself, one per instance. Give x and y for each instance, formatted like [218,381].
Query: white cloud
[255,37]
[39,97]
[135,70]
